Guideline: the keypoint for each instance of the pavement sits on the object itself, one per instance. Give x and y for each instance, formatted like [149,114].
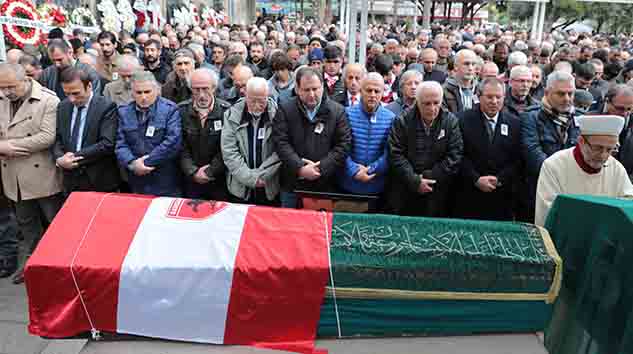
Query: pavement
[14,336]
[15,339]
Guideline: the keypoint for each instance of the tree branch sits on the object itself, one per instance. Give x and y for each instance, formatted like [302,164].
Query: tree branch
[564,24]
[481,6]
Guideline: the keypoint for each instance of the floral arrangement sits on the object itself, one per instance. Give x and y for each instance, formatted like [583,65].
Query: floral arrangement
[109,16]
[82,16]
[127,16]
[53,15]
[20,35]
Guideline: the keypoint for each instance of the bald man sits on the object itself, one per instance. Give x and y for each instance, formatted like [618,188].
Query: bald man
[423,167]
[428,58]
[366,166]
[459,90]
[241,75]
[443,48]
[14,55]
[247,147]
[202,122]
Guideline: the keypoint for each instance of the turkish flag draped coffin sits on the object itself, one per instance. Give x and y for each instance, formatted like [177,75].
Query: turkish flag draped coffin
[208,272]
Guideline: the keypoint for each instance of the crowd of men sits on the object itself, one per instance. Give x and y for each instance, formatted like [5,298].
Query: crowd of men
[442,123]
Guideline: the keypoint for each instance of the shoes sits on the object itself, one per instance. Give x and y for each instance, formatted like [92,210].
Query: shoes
[8,266]
[18,277]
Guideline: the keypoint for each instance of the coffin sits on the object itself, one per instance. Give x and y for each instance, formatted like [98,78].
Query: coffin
[235,274]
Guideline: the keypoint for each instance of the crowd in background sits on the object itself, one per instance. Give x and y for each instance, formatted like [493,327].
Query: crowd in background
[449,122]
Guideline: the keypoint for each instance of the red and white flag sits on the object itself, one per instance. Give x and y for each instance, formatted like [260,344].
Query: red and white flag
[176,269]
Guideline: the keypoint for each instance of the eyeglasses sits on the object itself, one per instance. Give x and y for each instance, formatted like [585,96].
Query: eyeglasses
[597,149]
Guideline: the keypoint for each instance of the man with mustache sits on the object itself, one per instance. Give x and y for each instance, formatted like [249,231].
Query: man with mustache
[152,60]
[177,88]
[247,147]
[588,168]
[202,121]
[518,97]
[120,90]
[109,55]
[61,54]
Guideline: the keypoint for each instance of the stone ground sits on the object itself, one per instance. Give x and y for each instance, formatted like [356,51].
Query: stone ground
[14,339]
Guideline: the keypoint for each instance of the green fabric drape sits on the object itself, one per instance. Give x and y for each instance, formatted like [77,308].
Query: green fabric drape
[594,314]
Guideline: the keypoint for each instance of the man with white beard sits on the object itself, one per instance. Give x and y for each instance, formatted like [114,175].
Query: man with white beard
[120,91]
[202,124]
[177,88]
[587,168]
[247,147]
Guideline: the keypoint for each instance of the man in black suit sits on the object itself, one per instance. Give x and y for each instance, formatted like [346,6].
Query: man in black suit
[85,138]
[352,75]
[492,157]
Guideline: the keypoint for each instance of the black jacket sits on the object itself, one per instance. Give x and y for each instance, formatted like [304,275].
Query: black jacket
[201,145]
[50,79]
[98,171]
[175,90]
[440,160]
[625,155]
[510,106]
[161,71]
[338,93]
[501,159]
[453,100]
[295,137]
[435,75]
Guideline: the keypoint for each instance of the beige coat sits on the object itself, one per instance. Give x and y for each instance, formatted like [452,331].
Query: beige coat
[117,93]
[32,128]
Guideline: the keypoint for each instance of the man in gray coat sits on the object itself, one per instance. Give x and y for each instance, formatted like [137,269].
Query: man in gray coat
[247,147]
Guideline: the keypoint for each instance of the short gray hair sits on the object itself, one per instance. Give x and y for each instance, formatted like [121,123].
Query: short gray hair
[429,85]
[127,60]
[213,76]
[255,83]
[564,66]
[372,76]
[144,76]
[517,58]
[196,48]
[407,75]
[20,73]
[559,76]
[462,53]
[520,70]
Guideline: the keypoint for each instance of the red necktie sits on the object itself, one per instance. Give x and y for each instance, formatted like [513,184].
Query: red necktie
[353,99]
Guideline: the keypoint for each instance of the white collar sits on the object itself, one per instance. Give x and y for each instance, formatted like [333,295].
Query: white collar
[494,118]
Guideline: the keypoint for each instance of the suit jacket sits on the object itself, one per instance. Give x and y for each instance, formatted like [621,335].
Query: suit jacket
[501,158]
[98,171]
[33,128]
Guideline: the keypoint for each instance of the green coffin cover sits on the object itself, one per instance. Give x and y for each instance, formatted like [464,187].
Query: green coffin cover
[393,275]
